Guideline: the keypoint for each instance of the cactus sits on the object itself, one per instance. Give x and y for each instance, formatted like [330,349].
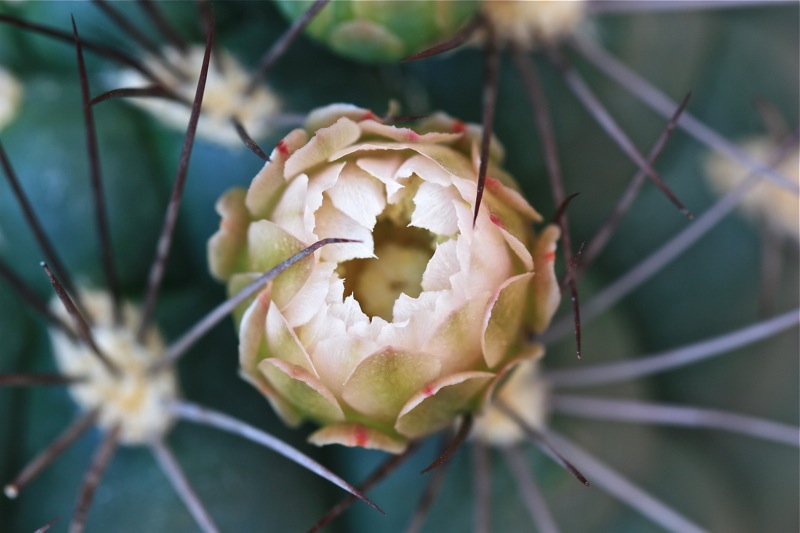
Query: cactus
[720,480]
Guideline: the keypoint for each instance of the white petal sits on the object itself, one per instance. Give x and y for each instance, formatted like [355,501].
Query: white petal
[325,142]
[289,214]
[358,195]
[311,296]
[435,209]
[427,168]
[333,223]
[441,267]
[384,169]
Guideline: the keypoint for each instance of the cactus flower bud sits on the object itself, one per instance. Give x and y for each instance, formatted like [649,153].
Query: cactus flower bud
[391,338]
[384,30]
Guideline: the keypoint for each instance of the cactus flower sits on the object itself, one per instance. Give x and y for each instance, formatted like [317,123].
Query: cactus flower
[393,337]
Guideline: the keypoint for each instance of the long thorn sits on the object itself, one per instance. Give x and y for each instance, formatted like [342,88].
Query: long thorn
[622,489]
[247,140]
[203,326]
[169,465]
[391,464]
[661,104]
[27,380]
[675,415]
[539,438]
[48,525]
[656,261]
[33,222]
[648,365]
[492,66]
[49,454]
[171,217]
[81,326]
[202,415]
[101,214]
[279,47]
[592,104]
[162,24]
[455,443]
[482,484]
[136,92]
[609,226]
[454,42]
[33,300]
[95,473]
[531,495]
[538,102]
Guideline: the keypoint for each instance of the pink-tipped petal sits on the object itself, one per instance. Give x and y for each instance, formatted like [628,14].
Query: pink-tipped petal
[302,389]
[546,293]
[504,317]
[357,436]
[438,403]
[384,382]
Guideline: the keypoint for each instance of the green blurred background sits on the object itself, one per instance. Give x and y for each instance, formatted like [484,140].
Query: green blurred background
[724,482]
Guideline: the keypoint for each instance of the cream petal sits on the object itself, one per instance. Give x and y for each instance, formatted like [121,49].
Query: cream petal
[335,359]
[384,169]
[252,332]
[226,246]
[441,267]
[383,382]
[282,341]
[519,249]
[325,116]
[457,340]
[290,211]
[546,292]
[358,195]
[287,412]
[435,209]
[266,187]
[319,182]
[357,436]
[503,319]
[333,223]
[440,402]
[325,143]
[302,389]
[513,199]
[530,352]
[372,127]
[427,168]
[270,245]
[311,297]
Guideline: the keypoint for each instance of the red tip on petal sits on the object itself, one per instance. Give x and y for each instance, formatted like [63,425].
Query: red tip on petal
[495,220]
[413,136]
[264,299]
[459,127]
[427,390]
[550,256]
[361,436]
[283,149]
[369,115]
[491,183]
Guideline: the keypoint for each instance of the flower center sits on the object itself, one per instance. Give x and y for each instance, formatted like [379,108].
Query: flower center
[402,254]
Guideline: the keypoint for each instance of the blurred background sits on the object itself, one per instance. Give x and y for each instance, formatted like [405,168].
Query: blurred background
[727,58]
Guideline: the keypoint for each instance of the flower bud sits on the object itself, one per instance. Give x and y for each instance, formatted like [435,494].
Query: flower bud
[382,30]
[390,338]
